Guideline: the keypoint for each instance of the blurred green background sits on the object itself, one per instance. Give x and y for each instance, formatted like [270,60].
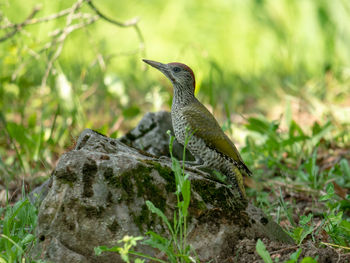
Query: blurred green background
[280,59]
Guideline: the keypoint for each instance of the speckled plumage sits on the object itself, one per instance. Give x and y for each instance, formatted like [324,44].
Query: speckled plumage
[208,142]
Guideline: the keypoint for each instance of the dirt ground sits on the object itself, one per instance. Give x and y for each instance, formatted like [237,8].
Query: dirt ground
[246,252]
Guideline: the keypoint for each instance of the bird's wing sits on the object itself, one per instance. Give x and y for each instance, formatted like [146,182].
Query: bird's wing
[205,126]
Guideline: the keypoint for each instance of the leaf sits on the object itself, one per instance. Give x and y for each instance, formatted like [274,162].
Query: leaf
[27,239]
[161,243]
[308,260]
[263,253]
[295,130]
[297,234]
[159,213]
[345,168]
[294,257]
[345,226]
[305,219]
[186,194]
[321,133]
[307,231]
[157,241]
[258,125]
[18,132]
[330,193]
[131,112]
[98,250]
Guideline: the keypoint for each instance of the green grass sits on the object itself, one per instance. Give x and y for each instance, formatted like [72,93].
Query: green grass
[248,56]
[17,224]
[291,160]
[288,161]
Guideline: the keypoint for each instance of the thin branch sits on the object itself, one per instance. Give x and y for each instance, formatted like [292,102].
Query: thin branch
[62,37]
[130,23]
[59,35]
[38,20]
[18,27]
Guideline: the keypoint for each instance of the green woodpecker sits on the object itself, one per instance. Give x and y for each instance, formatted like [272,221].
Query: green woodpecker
[208,143]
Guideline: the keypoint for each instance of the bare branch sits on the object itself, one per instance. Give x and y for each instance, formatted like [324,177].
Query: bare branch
[74,20]
[18,27]
[39,20]
[68,30]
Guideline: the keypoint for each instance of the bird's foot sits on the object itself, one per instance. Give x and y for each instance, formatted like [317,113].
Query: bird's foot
[161,158]
[195,163]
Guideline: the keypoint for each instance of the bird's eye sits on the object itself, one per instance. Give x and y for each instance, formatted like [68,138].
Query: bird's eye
[177,69]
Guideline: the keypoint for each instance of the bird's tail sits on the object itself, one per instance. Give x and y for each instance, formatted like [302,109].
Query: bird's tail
[235,178]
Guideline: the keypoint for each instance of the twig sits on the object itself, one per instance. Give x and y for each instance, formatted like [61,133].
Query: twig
[60,40]
[38,20]
[60,35]
[295,187]
[130,23]
[18,27]
[283,249]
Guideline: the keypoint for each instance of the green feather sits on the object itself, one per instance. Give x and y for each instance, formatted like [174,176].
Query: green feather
[205,126]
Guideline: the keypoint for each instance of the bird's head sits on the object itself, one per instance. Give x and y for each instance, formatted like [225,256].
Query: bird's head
[179,74]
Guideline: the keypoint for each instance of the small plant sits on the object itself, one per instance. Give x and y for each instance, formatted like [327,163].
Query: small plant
[334,224]
[265,255]
[301,232]
[17,224]
[176,248]
[129,242]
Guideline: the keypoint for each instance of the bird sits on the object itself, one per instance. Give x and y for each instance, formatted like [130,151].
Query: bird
[208,143]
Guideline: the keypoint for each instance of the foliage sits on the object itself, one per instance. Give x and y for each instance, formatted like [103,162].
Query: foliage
[129,242]
[17,224]
[253,58]
[292,158]
[294,258]
[289,48]
[336,224]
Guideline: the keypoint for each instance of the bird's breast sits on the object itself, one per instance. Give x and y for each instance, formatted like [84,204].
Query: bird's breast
[179,124]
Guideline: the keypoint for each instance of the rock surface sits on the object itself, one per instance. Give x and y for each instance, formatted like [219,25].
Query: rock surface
[150,135]
[98,195]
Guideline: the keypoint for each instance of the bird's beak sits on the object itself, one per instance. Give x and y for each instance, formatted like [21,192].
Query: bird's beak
[160,66]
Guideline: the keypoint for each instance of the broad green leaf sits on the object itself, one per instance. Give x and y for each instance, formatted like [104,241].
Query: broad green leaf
[297,232]
[98,250]
[330,192]
[263,253]
[344,165]
[295,256]
[131,112]
[308,260]
[305,219]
